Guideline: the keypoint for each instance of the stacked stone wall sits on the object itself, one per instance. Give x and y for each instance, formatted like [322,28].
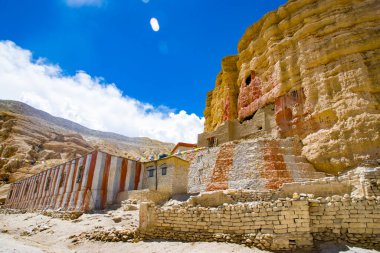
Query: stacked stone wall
[362,181]
[249,195]
[267,225]
[277,225]
[356,221]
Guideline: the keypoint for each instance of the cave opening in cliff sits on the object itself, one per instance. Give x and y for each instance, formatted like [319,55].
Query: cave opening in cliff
[248,80]
[248,118]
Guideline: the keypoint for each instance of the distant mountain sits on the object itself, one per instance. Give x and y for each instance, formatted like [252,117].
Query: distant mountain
[27,110]
[29,133]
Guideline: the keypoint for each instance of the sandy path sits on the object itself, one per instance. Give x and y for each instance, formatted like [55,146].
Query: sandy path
[33,232]
[9,244]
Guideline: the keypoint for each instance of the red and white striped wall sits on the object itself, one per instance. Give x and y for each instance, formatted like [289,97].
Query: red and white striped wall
[87,183]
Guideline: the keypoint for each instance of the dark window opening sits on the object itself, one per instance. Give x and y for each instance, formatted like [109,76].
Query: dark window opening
[248,80]
[63,177]
[36,187]
[260,128]
[80,174]
[26,189]
[292,242]
[212,142]
[248,118]
[294,94]
[47,184]
[163,171]
[150,173]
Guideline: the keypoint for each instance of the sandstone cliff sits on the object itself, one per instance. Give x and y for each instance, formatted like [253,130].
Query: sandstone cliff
[318,62]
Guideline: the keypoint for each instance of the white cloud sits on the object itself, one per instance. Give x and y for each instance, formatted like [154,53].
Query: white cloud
[88,100]
[79,3]
[154,24]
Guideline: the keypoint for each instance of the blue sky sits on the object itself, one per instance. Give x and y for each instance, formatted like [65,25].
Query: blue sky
[172,68]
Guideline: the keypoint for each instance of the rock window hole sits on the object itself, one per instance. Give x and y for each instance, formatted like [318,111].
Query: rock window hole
[294,94]
[248,80]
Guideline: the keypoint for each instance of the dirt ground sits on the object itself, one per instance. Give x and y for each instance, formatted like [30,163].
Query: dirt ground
[35,233]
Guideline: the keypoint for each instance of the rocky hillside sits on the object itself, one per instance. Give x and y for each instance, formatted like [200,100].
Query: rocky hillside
[318,63]
[31,134]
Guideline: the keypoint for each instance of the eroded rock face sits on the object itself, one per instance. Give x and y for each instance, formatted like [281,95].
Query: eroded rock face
[221,103]
[318,63]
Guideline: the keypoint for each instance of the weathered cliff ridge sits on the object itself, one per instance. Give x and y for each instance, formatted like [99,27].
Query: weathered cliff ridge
[318,63]
[30,134]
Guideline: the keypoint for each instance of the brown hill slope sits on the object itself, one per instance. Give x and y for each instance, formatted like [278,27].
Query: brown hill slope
[28,133]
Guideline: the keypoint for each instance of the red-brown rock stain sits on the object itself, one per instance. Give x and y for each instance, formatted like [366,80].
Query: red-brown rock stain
[249,92]
[289,124]
[274,169]
[223,165]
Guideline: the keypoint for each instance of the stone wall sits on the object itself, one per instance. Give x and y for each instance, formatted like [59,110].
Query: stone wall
[261,164]
[262,124]
[353,220]
[281,224]
[267,225]
[362,181]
